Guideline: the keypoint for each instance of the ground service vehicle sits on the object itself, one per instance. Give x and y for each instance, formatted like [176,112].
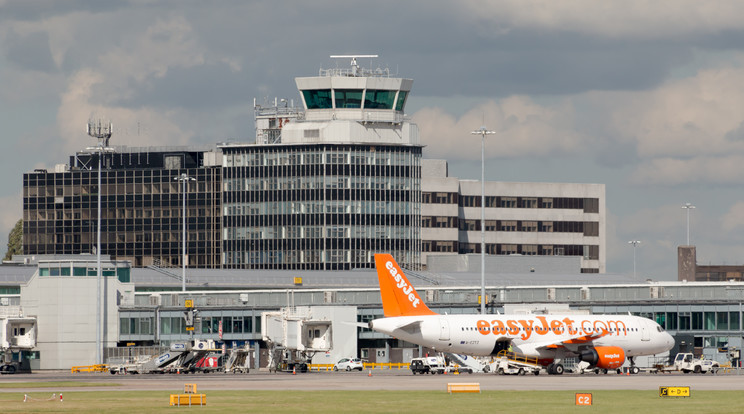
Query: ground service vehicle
[428,365]
[687,363]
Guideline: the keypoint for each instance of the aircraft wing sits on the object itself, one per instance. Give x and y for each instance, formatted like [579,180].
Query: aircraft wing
[572,342]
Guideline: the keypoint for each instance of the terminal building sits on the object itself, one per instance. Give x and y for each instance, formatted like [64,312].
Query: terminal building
[143,309]
[323,187]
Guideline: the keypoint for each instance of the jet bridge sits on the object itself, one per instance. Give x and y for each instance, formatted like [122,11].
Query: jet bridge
[293,336]
[17,334]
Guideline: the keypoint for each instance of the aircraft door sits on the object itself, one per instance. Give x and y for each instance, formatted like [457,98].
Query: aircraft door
[645,333]
[444,330]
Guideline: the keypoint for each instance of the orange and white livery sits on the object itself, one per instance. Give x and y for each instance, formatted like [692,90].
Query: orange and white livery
[604,341]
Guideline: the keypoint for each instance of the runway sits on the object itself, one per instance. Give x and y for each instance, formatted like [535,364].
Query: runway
[393,380]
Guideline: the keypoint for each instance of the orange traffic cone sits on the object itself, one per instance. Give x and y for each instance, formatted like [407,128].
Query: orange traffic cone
[293,371]
[370,373]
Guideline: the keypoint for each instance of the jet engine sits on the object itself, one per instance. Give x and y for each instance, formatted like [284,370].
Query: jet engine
[607,357]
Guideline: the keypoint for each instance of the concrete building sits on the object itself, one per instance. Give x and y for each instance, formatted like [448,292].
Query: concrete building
[141,207]
[529,219]
[61,294]
[688,269]
[324,186]
[147,311]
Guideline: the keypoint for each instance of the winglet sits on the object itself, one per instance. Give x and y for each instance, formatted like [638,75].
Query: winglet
[399,298]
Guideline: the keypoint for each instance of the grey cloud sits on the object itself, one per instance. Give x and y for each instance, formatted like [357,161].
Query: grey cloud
[204,86]
[736,134]
[30,52]
[41,9]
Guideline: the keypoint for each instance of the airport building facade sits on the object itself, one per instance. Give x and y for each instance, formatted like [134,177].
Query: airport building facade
[143,309]
[323,187]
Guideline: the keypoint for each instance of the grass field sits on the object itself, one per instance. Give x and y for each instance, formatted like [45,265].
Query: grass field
[376,402]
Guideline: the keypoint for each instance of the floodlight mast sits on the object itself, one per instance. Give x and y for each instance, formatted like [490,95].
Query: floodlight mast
[483,132]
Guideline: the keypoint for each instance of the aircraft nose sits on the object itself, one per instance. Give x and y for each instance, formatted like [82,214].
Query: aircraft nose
[669,340]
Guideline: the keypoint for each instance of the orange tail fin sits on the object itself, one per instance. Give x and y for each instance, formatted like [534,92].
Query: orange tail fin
[399,298]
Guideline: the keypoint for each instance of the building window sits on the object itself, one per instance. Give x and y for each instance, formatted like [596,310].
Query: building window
[508,202]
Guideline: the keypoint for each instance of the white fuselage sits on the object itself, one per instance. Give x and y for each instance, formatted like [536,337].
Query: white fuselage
[538,336]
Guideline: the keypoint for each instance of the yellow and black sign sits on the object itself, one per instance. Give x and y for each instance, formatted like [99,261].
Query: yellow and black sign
[189,303]
[479,299]
[189,328]
[674,391]
[297,280]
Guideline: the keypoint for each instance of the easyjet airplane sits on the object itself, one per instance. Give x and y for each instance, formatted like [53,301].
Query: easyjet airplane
[604,341]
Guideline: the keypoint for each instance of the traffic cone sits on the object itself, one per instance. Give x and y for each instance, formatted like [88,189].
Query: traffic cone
[293,371]
[60,397]
[370,373]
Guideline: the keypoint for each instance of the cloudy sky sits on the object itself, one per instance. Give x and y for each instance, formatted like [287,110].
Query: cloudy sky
[645,97]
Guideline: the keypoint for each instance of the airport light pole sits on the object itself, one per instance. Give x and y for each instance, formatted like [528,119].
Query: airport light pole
[688,207]
[102,132]
[483,132]
[634,243]
[184,179]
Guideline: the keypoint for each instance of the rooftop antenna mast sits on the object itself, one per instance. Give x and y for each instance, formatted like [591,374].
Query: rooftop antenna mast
[354,66]
[102,132]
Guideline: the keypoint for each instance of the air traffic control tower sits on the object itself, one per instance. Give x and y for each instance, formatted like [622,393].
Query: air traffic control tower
[327,185]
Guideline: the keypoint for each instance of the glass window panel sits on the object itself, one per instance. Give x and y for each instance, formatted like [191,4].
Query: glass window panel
[317,99]
[661,319]
[124,326]
[348,98]
[697,321]
[237,326]
[79,271]
[710,321]
[734,321]
[123,274]
[65,271]
[145,326]
[43,271]
[401,103]
[671,321]
[248,324]
[684,322]
[206,324]
[379,99]
[165,326]
[227,324]
[722,321]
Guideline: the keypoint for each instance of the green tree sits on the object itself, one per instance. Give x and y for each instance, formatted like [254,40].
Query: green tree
[15,241]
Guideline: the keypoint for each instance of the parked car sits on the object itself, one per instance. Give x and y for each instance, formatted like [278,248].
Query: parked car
[348,364]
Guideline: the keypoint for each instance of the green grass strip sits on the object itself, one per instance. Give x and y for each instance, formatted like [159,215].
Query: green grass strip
[360,402]
[57,384]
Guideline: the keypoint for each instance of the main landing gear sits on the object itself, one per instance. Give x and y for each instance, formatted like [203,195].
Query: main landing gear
[555,369]
[633,368]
